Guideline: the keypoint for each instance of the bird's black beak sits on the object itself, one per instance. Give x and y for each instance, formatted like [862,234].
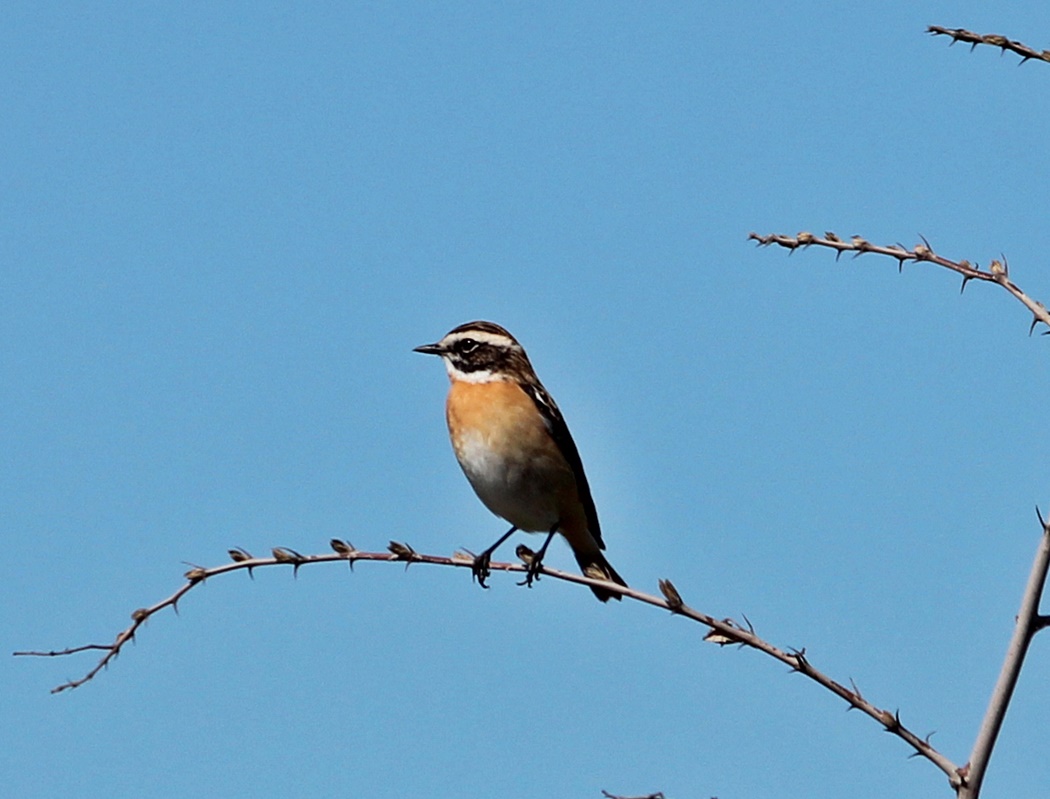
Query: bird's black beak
[430,349]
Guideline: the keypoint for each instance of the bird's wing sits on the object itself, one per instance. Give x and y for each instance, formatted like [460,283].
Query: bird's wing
[563,438]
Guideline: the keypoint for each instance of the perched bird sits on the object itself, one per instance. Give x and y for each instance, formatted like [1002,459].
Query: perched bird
[516,450]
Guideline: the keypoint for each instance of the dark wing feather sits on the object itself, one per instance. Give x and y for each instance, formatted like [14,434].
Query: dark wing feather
[563,438]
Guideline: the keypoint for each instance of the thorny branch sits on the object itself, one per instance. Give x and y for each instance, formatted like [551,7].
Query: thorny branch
[998,272]
[1028,623]
[722,631]
[993,39]
[967,780]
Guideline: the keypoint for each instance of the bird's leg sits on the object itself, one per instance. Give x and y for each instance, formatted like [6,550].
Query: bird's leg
[480,567]
[536,562]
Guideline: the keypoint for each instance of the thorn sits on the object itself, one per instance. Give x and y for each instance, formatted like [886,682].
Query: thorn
[341,547]
[996,40]
[463,556]
[902,256]
[402,552]
[747,621]
[344,548]
[962,288]
[923,252]
[399,549]
[196,574]
[286,555]
[801,663]
[891,721]
[716,636]
[1039,514]
[1031,327]
[671,595]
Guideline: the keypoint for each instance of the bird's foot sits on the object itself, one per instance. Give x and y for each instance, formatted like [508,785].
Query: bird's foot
[479,569]
[533,564]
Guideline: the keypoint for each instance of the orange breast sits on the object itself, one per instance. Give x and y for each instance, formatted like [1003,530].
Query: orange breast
[501,413]
[510,458]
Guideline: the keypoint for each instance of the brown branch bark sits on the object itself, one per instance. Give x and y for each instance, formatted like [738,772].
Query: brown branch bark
[722,631]
[967,781]
[994,39]
[998,272]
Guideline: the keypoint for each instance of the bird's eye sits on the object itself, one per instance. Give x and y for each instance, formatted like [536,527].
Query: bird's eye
[466,346]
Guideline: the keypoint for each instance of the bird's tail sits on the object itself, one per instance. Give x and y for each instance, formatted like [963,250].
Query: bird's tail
[594,564]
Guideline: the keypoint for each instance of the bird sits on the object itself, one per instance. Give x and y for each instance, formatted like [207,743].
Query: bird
[516,451]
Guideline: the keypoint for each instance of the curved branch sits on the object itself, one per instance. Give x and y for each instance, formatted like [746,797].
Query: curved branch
[998,272]
[722,631]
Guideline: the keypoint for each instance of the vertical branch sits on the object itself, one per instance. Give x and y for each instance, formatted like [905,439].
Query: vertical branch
[1027,625]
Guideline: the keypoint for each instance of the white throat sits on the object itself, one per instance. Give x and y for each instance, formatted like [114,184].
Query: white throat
[479,376]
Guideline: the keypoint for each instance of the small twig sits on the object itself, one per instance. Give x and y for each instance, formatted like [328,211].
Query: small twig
[722,631]
[71,651]
[998,272]
[1028,623]
[995,40]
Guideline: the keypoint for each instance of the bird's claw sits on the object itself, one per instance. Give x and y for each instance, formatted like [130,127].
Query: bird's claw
[479,569]
[533,566]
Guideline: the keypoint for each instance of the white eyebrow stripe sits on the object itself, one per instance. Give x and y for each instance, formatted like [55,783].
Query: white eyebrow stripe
[482,337]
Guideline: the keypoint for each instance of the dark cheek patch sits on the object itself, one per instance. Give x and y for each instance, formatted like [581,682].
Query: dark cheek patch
[481,359]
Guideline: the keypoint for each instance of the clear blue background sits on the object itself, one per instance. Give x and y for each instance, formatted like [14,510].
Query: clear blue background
[223,227]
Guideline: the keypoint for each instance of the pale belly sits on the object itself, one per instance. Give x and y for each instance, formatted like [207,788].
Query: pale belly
[522,487]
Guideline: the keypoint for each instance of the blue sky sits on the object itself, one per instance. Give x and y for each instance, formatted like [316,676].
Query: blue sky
[224,228]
